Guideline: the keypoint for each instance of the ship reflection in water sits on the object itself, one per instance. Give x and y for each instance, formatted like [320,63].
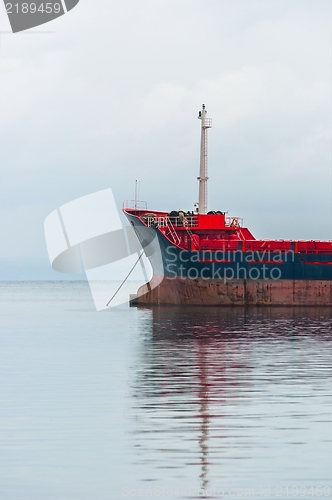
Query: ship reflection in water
[227,400]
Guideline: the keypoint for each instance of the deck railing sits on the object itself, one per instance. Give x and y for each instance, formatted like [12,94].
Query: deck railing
[188,221]
[136,204]
[234,221]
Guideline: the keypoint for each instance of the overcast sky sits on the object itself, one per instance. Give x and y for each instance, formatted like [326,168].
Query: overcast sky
[113,93]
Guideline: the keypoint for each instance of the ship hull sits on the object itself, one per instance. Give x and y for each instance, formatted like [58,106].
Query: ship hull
[236,293]
[234,278]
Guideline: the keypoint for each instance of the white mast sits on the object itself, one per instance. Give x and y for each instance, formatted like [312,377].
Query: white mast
[203,178]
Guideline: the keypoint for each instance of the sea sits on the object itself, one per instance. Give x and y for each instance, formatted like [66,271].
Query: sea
[161,402]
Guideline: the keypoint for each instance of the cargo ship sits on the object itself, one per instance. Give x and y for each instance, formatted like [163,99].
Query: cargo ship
[210,258]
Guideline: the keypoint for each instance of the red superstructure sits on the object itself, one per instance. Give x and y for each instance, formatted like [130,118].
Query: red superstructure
[216,231]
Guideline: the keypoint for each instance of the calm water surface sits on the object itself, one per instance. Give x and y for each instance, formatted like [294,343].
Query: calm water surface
[163,402]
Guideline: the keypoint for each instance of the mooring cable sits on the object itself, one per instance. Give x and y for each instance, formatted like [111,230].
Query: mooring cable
[131,270]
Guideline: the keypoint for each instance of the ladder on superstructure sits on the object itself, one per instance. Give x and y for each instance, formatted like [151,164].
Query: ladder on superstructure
[174,234]
[171,231]
[189,231]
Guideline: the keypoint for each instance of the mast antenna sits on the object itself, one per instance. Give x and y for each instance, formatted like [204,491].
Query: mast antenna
[203,177]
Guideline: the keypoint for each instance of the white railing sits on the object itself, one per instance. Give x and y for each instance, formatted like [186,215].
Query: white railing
[189,221]
[234,221]
[136,204]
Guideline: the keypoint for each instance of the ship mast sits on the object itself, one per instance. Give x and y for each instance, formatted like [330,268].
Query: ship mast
[203,178]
